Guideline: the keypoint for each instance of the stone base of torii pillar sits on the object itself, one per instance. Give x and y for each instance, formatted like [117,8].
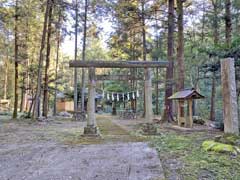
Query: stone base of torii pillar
[91,130]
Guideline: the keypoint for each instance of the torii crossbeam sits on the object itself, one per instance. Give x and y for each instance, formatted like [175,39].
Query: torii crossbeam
[119,64]
[117,78]
[91,128]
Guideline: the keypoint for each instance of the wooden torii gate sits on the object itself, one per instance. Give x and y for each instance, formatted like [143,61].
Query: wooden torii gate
[91,128]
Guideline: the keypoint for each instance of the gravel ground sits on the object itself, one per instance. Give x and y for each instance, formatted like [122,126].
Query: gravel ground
[34,151]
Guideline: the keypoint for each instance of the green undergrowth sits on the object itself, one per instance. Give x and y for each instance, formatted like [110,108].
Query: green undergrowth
[228,139]
[219,147]
[193,161]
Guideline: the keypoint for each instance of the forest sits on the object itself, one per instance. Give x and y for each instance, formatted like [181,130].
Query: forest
[114,68]
[193,40]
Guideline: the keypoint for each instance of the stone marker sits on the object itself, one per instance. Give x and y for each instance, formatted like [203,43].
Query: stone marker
[230,107]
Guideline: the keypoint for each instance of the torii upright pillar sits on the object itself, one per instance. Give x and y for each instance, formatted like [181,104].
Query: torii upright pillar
[91,128]
[148,95]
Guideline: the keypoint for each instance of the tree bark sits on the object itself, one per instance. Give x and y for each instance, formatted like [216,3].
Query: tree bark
[215,5]
[144,48]
[40,64]
[16,59]
[46,79]
[169,73]
[215,22]
[56,67]
[180,48]
[203,22]
[212,112]
[23,92]
[157,93]
[6,79]
[6,70]
[216,41]
[157,70]
[180,52]
[75,58]
[84,54]
[228,22]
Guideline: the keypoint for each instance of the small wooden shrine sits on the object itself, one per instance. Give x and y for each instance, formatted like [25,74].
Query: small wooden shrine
[186,95]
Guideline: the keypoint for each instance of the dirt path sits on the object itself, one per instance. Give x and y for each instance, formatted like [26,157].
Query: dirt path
[56,151]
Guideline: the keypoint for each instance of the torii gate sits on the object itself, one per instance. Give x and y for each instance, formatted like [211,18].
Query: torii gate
[91,128]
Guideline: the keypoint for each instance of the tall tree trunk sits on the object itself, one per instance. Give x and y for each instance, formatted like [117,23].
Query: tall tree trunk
[27,95]
[157,92]
[212,112]
[215,5]
[56,67]
[169,73]
[40,64]
[180,51]
[23,90]
[16,63]
[32,104]
[216,40]
[75,58]
[84,54]
[203,22]
[180,48]
[144,46]
[6,70]
[46,79]
[195,85]
[27,86]
[228,22]
[157,70]
[6,79]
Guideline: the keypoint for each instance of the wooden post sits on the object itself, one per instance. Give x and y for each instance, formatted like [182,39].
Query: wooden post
[114,108]
[230,108]
[179,112]
[189,118]
[148,96]
[91,128]
[180,115]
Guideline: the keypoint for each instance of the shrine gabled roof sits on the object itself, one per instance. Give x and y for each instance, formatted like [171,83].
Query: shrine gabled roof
[186,94]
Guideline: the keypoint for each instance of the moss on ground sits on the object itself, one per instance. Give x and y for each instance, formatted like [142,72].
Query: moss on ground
[229,139]
[218,147]
[194,161]
[109,132]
